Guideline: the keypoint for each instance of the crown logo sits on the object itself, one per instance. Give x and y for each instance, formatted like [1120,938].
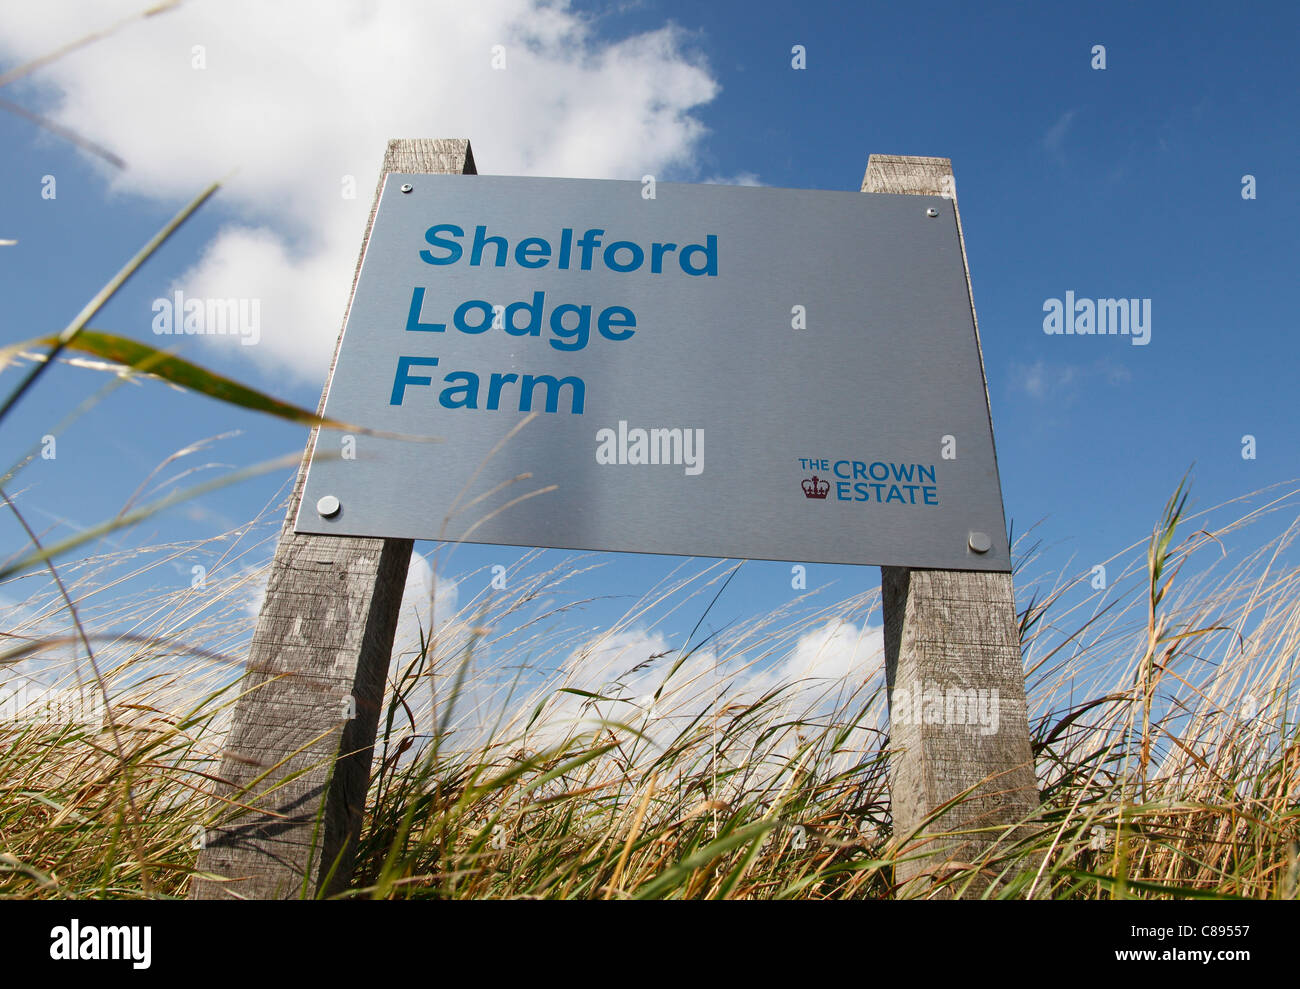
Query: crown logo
[814,488]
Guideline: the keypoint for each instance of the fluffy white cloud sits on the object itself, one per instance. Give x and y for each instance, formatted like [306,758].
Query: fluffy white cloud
[823,669]
[426,599]
[294,96]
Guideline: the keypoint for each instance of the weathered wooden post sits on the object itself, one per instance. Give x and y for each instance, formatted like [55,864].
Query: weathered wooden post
[297,761]
[951,628]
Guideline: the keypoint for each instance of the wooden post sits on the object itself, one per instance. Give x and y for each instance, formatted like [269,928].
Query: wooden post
[951,629]
[296,768]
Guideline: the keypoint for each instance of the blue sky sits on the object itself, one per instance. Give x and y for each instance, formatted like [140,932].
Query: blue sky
[1123,181]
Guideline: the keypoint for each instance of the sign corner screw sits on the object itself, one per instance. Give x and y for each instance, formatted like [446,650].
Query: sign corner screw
[980,542]
[328,506]
[407,187]
[931,212]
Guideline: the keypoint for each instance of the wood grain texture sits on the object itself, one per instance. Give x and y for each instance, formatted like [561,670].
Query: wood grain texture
[296,767]
[951,629]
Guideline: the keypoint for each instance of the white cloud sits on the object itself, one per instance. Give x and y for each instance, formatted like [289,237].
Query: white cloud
[1060,382]
[428,599]
[1054,138]
[50,636]
[296,95]
[629,665]
[1033,379]
[740,178]
[824,667]
[1040,379]
[835,651]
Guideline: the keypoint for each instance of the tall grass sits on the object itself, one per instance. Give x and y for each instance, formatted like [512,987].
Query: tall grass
[522,756]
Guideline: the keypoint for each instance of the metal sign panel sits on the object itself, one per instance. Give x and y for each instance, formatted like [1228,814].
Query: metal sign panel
[715,371]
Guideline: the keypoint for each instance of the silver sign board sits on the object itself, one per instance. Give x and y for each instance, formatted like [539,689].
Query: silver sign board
[710,370]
